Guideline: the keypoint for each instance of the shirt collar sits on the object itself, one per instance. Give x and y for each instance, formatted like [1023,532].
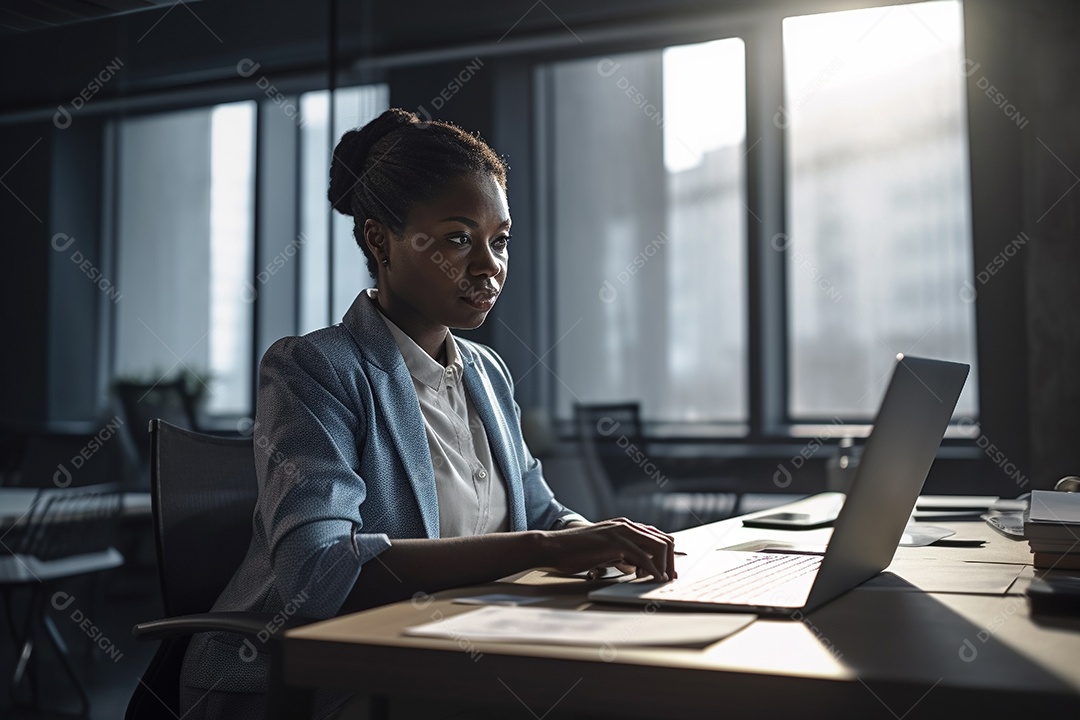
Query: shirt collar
[422,366]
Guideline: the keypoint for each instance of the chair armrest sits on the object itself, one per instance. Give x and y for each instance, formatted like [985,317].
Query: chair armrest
[282,702]
[244,623]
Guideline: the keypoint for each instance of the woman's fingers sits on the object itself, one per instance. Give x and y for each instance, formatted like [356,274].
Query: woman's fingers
[622,543]
[651,551]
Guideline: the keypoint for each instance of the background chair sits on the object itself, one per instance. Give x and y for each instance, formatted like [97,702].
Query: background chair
[204,491]
[139,404]
[67,533]
[625,479]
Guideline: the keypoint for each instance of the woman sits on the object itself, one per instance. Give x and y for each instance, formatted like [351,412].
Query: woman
[385,436]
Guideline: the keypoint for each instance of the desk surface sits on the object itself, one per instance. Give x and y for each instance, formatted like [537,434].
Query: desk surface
[945,630]
[15,504]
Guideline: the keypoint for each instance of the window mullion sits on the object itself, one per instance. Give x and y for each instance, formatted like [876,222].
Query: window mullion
[767,367]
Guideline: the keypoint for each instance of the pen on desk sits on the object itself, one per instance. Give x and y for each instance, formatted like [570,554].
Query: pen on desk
[679,552]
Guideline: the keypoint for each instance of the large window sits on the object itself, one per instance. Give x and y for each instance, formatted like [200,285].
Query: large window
[649,232]
[879,234]
[185,247]
[650,222]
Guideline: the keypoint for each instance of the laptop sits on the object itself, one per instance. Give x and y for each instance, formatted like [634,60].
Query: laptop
[910,424]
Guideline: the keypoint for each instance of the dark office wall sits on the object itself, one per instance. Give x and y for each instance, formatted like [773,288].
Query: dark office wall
[24,272]
[79,275]
[1025,156]
[52,273]
[1051,167]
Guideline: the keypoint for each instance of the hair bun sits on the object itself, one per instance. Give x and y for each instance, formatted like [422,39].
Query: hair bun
[352,152]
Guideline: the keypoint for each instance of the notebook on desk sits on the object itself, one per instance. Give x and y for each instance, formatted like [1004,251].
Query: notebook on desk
[910,424]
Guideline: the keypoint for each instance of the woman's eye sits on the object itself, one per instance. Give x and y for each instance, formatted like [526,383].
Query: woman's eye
[501,242]
[462,239]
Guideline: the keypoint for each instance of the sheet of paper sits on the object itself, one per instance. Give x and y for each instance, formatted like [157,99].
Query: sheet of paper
[1054,506]
[499,599]
[573,627]
[981,503]
[918,535]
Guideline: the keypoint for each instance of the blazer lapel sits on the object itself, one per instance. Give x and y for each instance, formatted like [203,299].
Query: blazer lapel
[396,398]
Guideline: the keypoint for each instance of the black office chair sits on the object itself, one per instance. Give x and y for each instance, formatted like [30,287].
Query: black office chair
[66,533]
[626,483]
[204,492]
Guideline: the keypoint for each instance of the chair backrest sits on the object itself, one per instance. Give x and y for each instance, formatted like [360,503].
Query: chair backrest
[606,433]
[204,491]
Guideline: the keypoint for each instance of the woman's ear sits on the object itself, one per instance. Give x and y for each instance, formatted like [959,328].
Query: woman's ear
[377,239]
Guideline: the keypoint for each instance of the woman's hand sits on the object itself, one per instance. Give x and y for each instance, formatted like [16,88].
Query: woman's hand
[622,543]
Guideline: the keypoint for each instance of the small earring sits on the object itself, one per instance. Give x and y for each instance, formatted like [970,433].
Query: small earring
[385,262]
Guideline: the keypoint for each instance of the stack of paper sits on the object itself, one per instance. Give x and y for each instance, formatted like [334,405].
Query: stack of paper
[1052,529]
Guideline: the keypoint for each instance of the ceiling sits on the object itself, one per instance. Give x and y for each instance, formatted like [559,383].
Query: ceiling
[23,16]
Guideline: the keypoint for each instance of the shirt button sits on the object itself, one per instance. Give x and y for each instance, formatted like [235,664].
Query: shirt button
[481,474]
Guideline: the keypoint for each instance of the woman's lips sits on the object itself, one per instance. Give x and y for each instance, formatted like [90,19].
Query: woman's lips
[484,300]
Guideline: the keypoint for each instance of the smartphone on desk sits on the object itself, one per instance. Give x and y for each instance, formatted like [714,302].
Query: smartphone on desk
[790,521]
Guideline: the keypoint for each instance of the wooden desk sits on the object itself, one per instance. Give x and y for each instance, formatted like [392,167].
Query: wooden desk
[946,633]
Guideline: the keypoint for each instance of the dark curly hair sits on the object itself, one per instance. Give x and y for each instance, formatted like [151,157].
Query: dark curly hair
[384,169]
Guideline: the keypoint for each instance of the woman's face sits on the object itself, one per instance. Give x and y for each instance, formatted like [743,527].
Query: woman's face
[449,266]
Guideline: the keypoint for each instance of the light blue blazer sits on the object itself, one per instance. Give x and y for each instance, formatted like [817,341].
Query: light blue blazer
[343,464]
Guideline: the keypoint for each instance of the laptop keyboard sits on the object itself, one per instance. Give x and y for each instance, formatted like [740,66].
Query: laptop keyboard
[745,584]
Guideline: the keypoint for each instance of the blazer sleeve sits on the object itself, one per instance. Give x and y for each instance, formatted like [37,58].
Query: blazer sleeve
[310,495]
